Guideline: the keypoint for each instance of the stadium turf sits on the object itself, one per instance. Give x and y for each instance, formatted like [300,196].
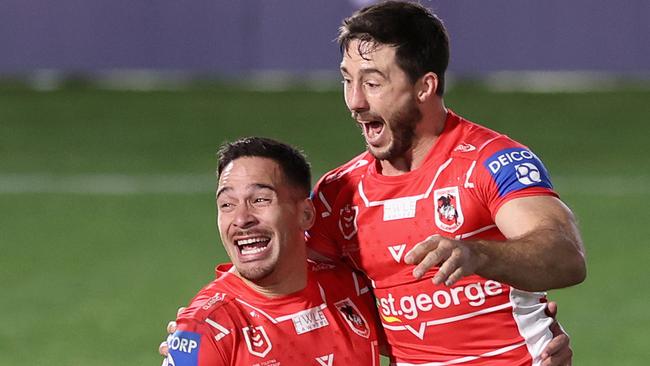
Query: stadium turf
[107,214]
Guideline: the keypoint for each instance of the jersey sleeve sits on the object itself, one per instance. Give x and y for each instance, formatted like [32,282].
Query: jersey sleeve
[193,345]
[331,196]
[507,170]
[320,237]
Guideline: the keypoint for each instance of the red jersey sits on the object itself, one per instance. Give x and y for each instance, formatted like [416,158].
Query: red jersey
[372,220]
[330,322]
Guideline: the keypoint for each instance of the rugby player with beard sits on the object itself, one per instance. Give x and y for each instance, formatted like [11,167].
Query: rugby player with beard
[457,227]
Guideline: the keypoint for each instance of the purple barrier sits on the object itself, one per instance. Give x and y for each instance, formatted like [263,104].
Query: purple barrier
[237,37]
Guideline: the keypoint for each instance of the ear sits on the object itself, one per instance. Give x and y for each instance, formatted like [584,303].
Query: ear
[307,214]
[426,87]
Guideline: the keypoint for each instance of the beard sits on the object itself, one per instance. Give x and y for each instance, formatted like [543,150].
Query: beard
[402,125]
[255,274]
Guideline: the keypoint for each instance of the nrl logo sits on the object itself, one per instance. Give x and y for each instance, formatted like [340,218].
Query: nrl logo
[348,221]
[257,341]
[353,317]
[449,214]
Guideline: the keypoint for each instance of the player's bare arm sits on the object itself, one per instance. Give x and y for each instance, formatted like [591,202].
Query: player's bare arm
[543,251]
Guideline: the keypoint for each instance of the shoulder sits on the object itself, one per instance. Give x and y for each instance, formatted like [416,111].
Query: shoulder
[490,149]
[212,299]
[344,174]
[339,278]
[501,167]
[328,269]
[478,142]
[203,328]
[497,154]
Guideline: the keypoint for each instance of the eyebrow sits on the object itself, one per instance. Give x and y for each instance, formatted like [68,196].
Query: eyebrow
[253,186]
[370,70]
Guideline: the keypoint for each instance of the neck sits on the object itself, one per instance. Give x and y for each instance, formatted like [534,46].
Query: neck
[287,278]
[426,135]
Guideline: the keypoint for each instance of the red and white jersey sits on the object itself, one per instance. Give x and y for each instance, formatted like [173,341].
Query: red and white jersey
[371,221]
[330,322]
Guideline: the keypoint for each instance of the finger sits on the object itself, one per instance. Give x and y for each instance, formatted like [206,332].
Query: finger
[558,351]
[171,327]
[454,277]
[447,268]
[421,249]
[556,345]
[562,358]
[556,329]
[180,310]
[551,309]
[163,349]
[431,260]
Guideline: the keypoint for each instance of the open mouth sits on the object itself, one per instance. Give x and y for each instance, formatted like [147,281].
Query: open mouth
[252,245]
[372,129]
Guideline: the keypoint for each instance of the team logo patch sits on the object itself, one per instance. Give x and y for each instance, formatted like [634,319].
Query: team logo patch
[348,221]
[528,174]
[449,214]
[353,317]
[517,168]
[257,341]
[183,348]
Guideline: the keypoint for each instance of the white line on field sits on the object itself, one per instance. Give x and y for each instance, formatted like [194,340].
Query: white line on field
[110,184]
[126,184]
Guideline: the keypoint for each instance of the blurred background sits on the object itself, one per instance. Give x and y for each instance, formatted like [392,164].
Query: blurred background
[111,112]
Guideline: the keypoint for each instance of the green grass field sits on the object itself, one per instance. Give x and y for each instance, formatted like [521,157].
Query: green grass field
[107,214]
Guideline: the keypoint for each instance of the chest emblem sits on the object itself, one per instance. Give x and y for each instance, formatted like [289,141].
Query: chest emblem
[353,317]
[449,213]
[348,221]
[257,341]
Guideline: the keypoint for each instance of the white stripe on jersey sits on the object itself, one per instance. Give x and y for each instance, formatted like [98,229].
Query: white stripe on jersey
[217,326]
[456,361]
[374,347]
[424,195]
[477,231]
[532,321]
[360,290]
[326,204]
[281,318]
[469,184]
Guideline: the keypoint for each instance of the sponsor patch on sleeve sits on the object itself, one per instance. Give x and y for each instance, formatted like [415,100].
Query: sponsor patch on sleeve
[517,168]
[183,348]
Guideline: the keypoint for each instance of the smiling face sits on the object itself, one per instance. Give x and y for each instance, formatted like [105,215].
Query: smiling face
[381,98]
[262,219]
